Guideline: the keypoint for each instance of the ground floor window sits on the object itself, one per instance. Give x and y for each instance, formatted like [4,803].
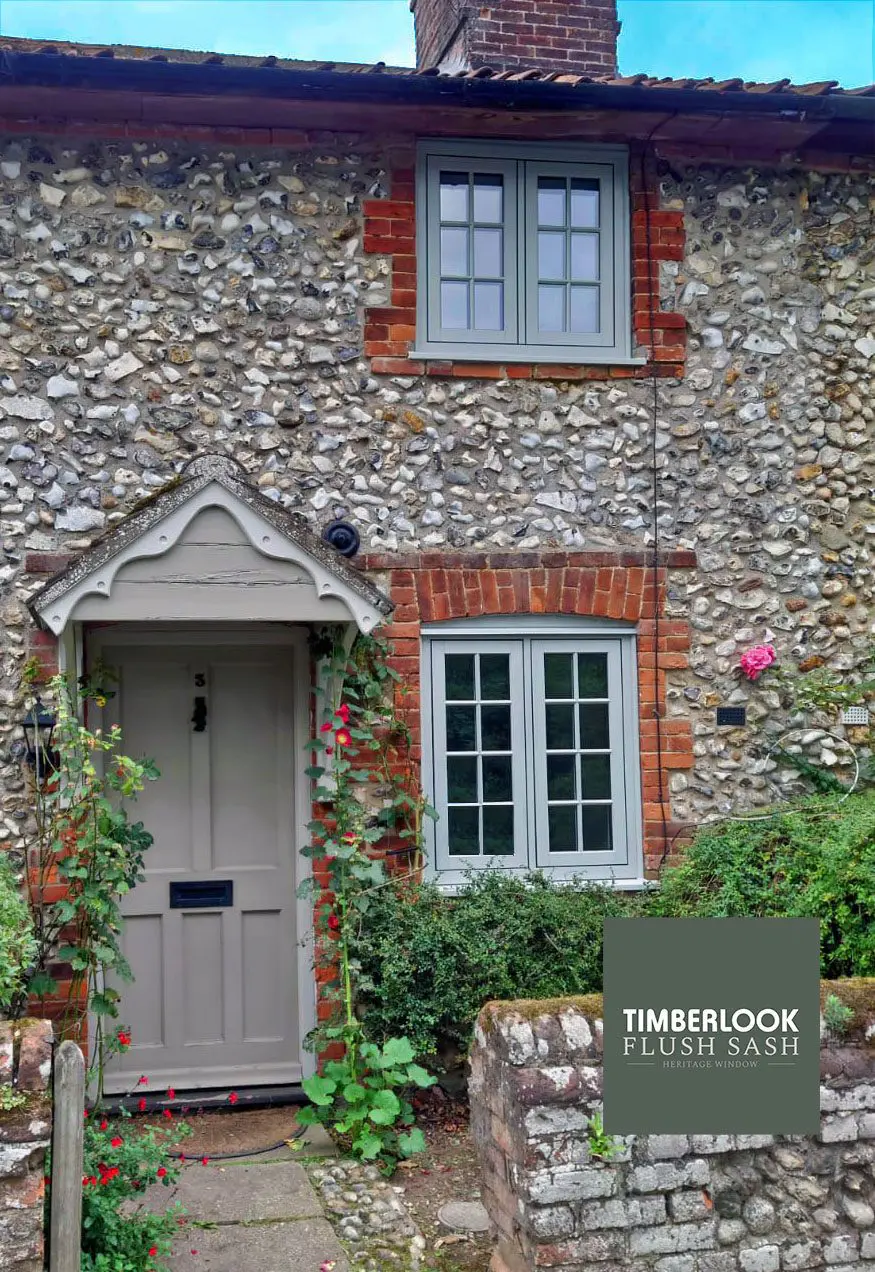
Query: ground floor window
[531,742]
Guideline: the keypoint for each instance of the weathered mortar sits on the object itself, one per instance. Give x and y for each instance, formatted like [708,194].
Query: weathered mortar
[157,303]
[671,1203]
[24,1138]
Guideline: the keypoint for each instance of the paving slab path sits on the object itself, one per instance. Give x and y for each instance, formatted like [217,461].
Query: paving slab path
[241,1217]
[256,1213]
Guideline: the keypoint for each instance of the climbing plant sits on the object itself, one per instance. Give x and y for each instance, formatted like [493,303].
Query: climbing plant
[370,803]
[84,855]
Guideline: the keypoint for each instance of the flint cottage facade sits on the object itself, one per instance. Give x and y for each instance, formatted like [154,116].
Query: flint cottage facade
[584,360]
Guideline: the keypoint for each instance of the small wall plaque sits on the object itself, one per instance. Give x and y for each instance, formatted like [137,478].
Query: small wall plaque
[732,715]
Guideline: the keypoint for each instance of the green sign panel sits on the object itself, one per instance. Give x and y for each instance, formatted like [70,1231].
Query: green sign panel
[712,1026]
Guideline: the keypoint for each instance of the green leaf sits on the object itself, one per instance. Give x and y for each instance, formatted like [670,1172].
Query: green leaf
[41,984]
[385,1108]
[353,1093]
[412,1142]
[420,1077]
[397,1051]
[320,1090]
[367,1145]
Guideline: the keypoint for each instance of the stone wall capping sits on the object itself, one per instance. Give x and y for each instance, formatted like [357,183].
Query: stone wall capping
[25,1134]
[664,1203]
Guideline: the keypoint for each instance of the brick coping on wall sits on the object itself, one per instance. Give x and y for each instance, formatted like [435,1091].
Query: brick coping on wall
[657,235]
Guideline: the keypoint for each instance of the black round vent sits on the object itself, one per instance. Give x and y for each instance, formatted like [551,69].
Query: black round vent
[343,537]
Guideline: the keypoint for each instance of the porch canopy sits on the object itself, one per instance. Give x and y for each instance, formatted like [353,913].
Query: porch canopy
[209,548]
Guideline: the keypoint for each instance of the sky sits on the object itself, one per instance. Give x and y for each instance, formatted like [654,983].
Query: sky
[755,39]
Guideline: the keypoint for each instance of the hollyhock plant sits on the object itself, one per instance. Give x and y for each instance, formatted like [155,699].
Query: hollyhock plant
[755,660]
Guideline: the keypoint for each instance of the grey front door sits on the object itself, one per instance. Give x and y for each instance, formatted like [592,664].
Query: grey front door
[210,933]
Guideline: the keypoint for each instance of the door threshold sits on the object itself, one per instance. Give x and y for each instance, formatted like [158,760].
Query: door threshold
[208,1101]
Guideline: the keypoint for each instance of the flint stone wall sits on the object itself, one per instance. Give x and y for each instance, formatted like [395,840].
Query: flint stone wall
[666,1203]
[25,1132]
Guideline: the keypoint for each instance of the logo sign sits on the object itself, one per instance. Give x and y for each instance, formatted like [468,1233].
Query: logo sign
[712,1026]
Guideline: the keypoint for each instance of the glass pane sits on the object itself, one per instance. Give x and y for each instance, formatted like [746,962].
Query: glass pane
[562,820]
[497,779]
[488,197]
[592,675]
[584,256]
[558,669]
[561,783]
[487,254]
[584,202]
[498,830]
[595,774]
[495,728]
[462,779]
[454,196]
[488,306]
[551,308]
[454,251]
[551,201]
[551,254]
[461,731]
[597,828]
[463,832]
[593,725]
[584,309]
[495,677]
[560,726]
[454,306]
[459,677]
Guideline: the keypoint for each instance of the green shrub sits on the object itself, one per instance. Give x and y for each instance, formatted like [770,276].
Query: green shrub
[17,944]
[430,961]
[817,861]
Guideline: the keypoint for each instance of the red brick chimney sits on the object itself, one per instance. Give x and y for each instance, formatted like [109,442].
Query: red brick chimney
[579,36]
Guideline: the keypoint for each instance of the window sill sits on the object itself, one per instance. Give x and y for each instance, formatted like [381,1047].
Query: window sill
[533,357]
[453,886]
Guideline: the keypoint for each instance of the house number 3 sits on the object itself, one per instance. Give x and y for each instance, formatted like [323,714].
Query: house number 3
[199,715]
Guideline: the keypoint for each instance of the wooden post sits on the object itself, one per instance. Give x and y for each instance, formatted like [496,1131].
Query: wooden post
[67,1156]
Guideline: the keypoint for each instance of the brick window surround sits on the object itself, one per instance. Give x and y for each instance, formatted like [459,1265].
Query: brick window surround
[433,587]
[656,235]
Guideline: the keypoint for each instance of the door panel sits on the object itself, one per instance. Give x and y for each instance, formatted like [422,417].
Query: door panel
[214,1000]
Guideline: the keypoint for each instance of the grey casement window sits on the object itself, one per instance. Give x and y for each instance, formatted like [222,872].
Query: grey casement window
[523,252]
[530,743]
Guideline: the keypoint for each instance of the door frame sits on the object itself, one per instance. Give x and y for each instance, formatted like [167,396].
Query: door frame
[91,639]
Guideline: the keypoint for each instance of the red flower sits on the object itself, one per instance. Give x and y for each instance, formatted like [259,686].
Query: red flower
[350,837]
[326,727]
[104,1124]
[342,713]
[124,1039]
[182,1157]
[116,1141]
[233,1097]
[204,1161]
[153,1250]
[141,1105]
[334,923]
[343,737]
[171,1094]
[329,750]
[161,1172]
[142,1080]
[167,1113]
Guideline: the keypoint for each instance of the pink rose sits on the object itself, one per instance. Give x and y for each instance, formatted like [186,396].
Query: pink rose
[755,660]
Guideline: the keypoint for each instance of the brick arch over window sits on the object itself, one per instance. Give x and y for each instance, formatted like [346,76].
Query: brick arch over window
[435,587]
